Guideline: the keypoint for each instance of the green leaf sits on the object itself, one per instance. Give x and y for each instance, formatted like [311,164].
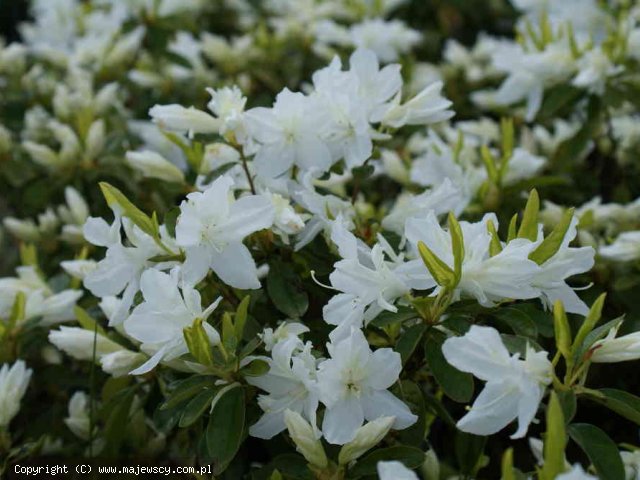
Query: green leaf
[411,457]
[495,247]
[621,402]
[198,342]
[601,450]
[409,340]
[218,172]
[518,320]
[562,330]
[508,472]
[196,407]
[386,318]
[469,449]
[490,164]
[567,399]
[593,317]
[440,271]
[456,385]
[285,290]
[116,414]
[170,219]
[256,368]
[555,441]
[225,430]
[570,151]
[551,244]
[457,245]
[229,339]
[241,316]
[183,390]
[115,198]
[513,223]
[529,226]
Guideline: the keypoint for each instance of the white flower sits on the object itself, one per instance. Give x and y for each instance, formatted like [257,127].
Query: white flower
[153,165]
[227,104]
[291,385]
[78,418]
[287,135]
[388,39]
[522,165]
[394,470]
[507,275]
[287,221]
[625,248]
[180,119]
[13,385]
[567,261]
[353,385]
[285,331]
[119,271]
[367,280]
[514,387]
[211,227]
[427,107]
[594,68]
[631,462]
[611,349]
[158,322]
[79,268]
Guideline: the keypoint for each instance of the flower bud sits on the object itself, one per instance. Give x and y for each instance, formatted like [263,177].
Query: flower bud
[78,420]
[612,350]
[13,384]
[366,437]
[42,155]
[125,48]
[78,268]
[25,230]
[120,363]
[306,440]
[94,143]
[76,211]
[154,165]
[78,343]
[178,118]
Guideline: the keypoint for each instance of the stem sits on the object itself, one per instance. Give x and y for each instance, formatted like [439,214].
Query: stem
[246,171]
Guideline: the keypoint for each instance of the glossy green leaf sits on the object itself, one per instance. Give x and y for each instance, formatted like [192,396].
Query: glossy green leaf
[286,291]
[456,385]
[225,430]
[601,450]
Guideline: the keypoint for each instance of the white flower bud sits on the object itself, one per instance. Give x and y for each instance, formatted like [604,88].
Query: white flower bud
[68,139]
[25,230]
[120,363]
[13,384]
[106,98]
[181,119]
[78,268]
[367,437]
[306,440]
[125,48]
[42,155]
[612,350]
[154,165]
[78,343]
[286,219]
[94,143]
[428,107]
[394,470]
[76,211]
[78,420]
[394,167]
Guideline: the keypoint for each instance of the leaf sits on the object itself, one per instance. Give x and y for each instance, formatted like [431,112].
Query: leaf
[562,330]
[457,246]
[387,318]
[469,449]
[293,466]
[411,394]
[593,317]
[225,430]
[285,290]
[116,414]
[411,457]
[241,316]
[457,385]
[256,368]
[567,399]
[601,450]
[551,244]
[185,389]
[555,441]
[198,342]
[218,172]
[495,247]
[507,465]
[409,340]
[529,226]
[170,219]
[440,271]
[621,402]
[115,198]
[569,151]
[520,322]
[196,407]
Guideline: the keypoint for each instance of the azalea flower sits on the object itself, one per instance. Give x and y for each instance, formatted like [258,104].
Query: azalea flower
[211,227]
[394,470]
[625,248]
[158,322]
[291,385]
[367,280]
[514,386]
[489,279]
[353,385]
